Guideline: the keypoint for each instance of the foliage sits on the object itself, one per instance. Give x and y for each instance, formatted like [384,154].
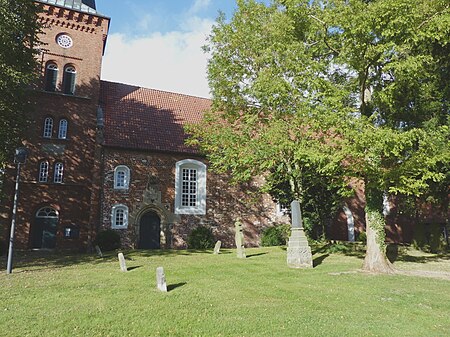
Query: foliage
[208,295]
[19,30]
[275,236]
[429,238]
[347,90]
[200,238]
[107,240]
[3,247]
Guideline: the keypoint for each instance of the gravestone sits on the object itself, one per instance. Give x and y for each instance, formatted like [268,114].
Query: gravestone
[161,279]
[123,265]
[298,251]
[99,251]
[239,239]
[217,247]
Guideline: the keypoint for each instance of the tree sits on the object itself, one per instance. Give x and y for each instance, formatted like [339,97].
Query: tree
[19,29]
[350,89]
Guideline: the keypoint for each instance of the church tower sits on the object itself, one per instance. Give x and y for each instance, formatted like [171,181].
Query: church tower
[58,206]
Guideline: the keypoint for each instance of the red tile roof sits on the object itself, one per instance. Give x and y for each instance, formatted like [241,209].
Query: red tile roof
[148,119]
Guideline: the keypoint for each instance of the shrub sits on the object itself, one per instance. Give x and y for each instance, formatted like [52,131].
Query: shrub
[200,238]
[107,240]
[275,236]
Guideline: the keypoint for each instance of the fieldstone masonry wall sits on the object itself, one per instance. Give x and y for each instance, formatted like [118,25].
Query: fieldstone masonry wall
[152,187]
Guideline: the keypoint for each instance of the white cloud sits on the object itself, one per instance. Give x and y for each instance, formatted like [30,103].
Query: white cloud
[198,6]
[172,61]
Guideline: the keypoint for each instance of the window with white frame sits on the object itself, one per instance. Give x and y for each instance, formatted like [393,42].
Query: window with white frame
[190,187]
[48,127]
[43,172]
[121,177]
[283,208]
[69,77]
[58,174]
[51,76]
[119,216]
[62,131]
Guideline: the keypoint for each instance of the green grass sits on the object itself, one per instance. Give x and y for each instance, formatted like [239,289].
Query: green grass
[219,295]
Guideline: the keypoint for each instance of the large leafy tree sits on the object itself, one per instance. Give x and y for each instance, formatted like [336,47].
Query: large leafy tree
[19,29]
[350,89]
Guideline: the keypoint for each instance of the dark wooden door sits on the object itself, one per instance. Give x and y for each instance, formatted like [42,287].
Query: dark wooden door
[149,231]
[44,233]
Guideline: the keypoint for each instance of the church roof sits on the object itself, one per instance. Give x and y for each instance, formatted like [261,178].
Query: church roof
[87,6]
[148,119]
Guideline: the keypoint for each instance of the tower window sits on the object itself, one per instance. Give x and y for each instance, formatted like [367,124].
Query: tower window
[62,131]
[59,170]
[121,177]
[43,172]
[48,127]
[119,217]
[69,80]
[51,77]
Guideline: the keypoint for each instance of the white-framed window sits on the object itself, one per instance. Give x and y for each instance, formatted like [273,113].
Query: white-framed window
[48,127]
[59,172]
[51,76]
[283,209]
[121,177]
[119,216]
[190,187]
[43,172]
[69,78]
[62,131]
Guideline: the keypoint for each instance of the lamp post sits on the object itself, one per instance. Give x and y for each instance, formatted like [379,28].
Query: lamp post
[19,158]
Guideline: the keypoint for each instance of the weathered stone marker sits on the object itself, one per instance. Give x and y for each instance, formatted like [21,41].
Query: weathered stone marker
[123,265]
[298,251]
[217,247]
[239,239]
[99,251]
[161,279]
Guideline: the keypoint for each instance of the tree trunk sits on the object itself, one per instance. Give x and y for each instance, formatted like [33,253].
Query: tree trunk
[376,260]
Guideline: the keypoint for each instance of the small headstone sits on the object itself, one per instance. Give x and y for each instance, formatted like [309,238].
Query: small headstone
[298,252]
[99,251]
[217,247]
[161,279]
[123,265]
[239,239]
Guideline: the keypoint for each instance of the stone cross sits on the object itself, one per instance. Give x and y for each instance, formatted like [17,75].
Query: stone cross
[99,251]
[161,279]
[298,251]
[217,247]
[123,265]
[239,239]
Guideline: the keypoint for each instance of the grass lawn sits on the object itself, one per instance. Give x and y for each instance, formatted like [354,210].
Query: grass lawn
[220,295]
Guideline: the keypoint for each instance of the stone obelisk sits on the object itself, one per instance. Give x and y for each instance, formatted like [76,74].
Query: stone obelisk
[298,251]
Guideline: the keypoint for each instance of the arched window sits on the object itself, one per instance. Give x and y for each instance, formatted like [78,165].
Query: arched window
[119,216]
[51,76]
[48,127]
[62,131]
[190,187]
[43,172]
[121,177]
[69,80]
[58,174]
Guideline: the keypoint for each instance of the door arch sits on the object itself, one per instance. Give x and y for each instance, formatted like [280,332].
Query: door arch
[43,233]
[149,231]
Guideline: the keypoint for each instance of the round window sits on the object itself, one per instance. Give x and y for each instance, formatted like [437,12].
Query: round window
[64,40]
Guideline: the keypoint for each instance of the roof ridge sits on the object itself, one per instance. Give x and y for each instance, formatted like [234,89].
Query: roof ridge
[158,90]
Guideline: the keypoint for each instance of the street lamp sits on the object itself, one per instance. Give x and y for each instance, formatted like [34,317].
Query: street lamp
[19,158]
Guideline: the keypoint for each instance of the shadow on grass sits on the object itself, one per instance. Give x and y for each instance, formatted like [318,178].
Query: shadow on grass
[318,260]
[131,268]
[258,254]
[171,287]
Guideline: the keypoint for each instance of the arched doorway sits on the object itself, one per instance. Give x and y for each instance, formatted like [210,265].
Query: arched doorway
[149,231]
[43,233]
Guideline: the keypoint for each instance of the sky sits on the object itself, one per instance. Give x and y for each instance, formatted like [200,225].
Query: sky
[157,43]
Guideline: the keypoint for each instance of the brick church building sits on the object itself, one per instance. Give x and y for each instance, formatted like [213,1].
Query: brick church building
[106,155]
